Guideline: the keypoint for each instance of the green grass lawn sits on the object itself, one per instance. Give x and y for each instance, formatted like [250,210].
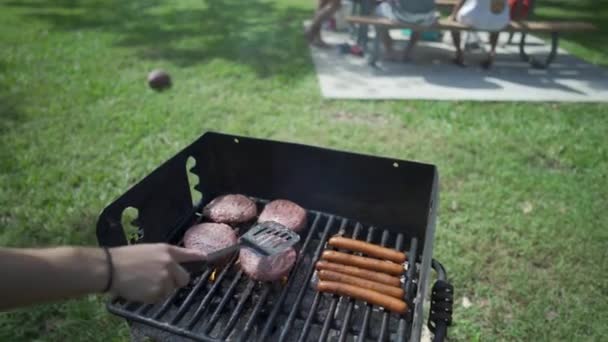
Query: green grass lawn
[522,229]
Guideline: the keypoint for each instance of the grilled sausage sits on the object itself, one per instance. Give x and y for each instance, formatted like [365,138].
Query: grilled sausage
[359,272]
[367,248]
[363,262]
[369,296]
[360,282]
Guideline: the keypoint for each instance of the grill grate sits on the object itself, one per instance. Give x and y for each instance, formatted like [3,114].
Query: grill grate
[234,307]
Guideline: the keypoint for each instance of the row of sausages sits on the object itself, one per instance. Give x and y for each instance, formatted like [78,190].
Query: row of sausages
[373,279]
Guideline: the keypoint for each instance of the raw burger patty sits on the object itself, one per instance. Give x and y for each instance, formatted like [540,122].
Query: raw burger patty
[230,209]
[269,268]
[286,213]
[209,237]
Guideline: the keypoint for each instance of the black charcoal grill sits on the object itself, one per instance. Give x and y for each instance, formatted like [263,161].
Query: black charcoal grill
[386,201]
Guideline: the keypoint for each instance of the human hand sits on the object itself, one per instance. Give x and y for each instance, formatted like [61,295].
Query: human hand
[150,272]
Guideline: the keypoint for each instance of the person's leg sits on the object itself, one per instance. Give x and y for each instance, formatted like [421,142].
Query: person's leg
[311,32]
[510,38]
[317,34]
[321,4]
[414,38]
[326,9]
[493,41]
[387,41]
[385,10]
[459,58]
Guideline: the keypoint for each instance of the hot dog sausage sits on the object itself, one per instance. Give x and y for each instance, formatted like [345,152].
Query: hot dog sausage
[363,262]
[370,296]
[360,282]
[359,272]
[367,248]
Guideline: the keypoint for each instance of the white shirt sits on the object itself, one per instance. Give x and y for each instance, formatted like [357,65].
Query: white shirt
[490,15]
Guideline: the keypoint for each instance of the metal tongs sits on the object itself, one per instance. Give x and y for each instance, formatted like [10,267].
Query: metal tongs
[268,238]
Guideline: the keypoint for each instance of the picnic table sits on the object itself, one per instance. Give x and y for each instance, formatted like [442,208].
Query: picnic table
[554,28]
[365,7]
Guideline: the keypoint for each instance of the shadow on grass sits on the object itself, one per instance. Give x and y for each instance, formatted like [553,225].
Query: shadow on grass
[9,103]
[10,117]
[266,37]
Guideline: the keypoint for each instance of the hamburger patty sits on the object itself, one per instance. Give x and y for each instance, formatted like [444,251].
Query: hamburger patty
[230,209]
[209,237]
[286,213]
[268,268]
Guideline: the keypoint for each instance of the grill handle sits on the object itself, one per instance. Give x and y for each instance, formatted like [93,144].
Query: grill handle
[442,301]
[213,258]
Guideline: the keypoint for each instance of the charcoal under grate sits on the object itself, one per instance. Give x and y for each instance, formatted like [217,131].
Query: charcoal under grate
[384,201]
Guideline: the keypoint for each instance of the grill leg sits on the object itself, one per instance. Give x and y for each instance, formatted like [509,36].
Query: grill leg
[534,62]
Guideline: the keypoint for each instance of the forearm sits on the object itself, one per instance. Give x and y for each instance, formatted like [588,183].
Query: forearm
[38,275]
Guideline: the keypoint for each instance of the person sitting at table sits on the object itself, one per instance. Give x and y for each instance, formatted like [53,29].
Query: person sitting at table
[325,10]
[519,10]
[418,12]
[486,15]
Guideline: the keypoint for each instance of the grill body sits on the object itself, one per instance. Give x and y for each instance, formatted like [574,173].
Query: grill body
[385,201]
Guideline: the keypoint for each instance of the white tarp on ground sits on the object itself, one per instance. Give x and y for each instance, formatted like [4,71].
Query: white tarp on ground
[431,74]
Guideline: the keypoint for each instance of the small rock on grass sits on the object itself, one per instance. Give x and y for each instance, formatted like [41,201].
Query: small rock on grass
[527,207]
